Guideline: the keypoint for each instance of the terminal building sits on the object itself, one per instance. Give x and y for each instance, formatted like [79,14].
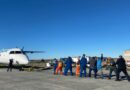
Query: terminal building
[127,57]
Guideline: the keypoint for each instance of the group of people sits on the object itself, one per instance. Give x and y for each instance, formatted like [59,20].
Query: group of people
[96,65]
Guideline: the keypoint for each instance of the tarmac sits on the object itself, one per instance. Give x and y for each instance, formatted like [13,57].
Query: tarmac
[45,80]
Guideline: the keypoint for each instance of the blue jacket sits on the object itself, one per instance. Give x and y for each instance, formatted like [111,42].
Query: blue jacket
[99,64]
[56,64]
[69,62]
[83,62]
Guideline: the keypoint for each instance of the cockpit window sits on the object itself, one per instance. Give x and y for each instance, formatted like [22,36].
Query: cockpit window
[18,52]
[15,52]
[12,52]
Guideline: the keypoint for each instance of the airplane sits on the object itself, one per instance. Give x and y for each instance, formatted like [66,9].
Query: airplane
[18,55]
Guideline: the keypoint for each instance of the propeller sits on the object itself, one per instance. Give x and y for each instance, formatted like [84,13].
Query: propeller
[31,51]
[22,48]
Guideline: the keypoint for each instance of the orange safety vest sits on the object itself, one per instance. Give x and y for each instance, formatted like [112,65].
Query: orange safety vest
[77,69]
[108,62]
[60,64]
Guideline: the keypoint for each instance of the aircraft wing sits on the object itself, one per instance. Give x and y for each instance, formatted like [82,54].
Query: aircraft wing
[34,52]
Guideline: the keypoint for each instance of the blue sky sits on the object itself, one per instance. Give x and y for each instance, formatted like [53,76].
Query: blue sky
[66,27]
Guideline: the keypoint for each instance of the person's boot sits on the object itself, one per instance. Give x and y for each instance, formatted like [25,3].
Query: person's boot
[109,78]
[117,80]
[129,79]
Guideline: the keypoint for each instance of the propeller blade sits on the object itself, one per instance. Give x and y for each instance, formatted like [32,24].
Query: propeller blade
[22,48]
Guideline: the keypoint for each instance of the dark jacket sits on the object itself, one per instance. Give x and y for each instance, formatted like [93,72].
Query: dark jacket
[121,63]
[83,62]
[69,62]
[93,63]
[56,64]
[112,63]
[11,62]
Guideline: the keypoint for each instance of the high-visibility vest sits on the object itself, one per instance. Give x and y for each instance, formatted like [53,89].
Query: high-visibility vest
[77,69]
[60,64]
[78,66]
[108,62]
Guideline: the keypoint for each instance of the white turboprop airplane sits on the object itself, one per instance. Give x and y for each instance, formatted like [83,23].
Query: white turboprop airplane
[18,55]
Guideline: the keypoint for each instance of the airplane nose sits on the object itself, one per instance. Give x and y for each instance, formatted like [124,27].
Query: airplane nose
[20,59]
[25,62]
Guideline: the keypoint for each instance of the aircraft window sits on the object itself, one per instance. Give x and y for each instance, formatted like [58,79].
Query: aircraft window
[12,52]
[18,52]
[15,52]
